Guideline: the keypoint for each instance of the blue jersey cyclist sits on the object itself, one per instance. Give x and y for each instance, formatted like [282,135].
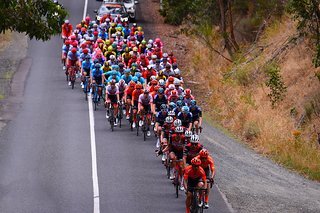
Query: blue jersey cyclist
[196,115]
[186,117]
[96,74]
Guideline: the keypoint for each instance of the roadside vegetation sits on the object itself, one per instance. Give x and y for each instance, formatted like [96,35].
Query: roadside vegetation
[259,72]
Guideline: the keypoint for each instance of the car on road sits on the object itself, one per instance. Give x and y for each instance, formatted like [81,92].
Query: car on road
[113,9]
[130,6]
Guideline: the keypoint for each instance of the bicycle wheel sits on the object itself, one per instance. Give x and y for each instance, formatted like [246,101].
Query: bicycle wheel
[168,169]
[137,125]
[144,132]
[72,84]
[111,118]
[194,205]
[176,183]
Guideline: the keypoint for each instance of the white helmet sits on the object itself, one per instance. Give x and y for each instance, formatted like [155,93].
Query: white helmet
[188,134]
[177,123]
[169,119]
[194,139]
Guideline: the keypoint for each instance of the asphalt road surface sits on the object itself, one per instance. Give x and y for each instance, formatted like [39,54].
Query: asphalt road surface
[45,152]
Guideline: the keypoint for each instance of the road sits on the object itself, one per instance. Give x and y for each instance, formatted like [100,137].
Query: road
[45,157]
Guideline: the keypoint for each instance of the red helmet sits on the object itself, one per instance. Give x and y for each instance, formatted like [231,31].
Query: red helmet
[154,82]
[204,153]
[85,51]
[75,44]
[84,45]
[171,79]
[74,50]
[73,37]
[157,40]
[95,33]
[78,26]
[132,84]
[99,40]
[196,161]
[67,42]
[188,92]
[142,56]
[138,86]
[83,29]
[174,93]
[87,18]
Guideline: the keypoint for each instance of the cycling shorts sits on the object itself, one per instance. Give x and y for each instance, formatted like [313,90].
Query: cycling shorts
[113,99]
[193,183]
[98,79]
[178,153]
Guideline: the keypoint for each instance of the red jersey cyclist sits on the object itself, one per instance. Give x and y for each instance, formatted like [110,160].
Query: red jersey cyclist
[194,177]
[207,163]
[145,106]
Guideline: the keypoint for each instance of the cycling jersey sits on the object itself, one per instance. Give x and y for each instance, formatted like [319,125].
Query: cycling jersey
[186,118]
[65,48]
[126,78]
[145,100]
[196,113]
[73,56]
[187,100]
[159,101]
[208,163]
[190,173]
[192,151]
[161,117]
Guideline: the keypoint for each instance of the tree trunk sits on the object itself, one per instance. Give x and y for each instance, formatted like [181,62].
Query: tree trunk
[223,26]
[232,38]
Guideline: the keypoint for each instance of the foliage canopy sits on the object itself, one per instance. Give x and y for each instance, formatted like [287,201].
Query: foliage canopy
[39,19]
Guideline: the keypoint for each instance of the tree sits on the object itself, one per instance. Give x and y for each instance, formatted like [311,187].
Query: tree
[39,19]
[307,13]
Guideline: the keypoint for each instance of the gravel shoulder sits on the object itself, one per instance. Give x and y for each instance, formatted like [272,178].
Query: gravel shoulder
[11,58]
[250,182]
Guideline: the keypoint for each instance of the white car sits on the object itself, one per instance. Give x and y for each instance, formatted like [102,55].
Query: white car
[130,6]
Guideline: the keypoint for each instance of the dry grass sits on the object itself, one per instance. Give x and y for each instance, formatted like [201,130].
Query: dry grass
[236,97]
[5,40]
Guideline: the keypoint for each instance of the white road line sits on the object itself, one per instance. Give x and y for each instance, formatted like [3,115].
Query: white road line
[85,9]
[96,198]
[95,183]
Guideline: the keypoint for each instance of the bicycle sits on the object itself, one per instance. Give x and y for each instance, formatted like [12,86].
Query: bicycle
[131,118]
[111,116]
[96,95]
[198,196]
[176,181]
[145,127]
[86,87]
[71,75]
[120,113]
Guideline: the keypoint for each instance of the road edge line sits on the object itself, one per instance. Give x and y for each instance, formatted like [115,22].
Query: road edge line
[96,196]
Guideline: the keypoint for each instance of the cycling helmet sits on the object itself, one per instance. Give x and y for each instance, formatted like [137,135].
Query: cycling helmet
[135,79]
[171,113]
[153,77]
[174,93]
[149,46]
[67,42]
[122,82]
[142,56]
[134,24]
[143,42]
[177,122]
[150,41]
[135,49]
[188,134]
[161,90]
[172,105]
[171,79]
[138,86]
[138,74]
[178,129]
[165,55]
[194,139]
[169,119]
[171,87]
[181,97]
[185,109]
[161,82]
[113,82]
[95,61]
[158,40]
[154,82]
[74,50]
[121,65]
[66,21]
[176,82]
[132,84]
[112,57]
[88,57]
[204,153]
[134,64]
[163,107]
[174,66]
[127,71]
[146,91]
[196,161]
[73,37]
[179,103]
[188,91]
[193,103]
[97,65]
[85,51]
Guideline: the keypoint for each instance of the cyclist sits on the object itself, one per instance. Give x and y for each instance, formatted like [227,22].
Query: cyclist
[65,50]
[135,100]
[159,100]
[188,135]
[192,149]
[188,97]
[194,176]
[160,119]
[207,163]
[128,97]
[112,97]
[176,148]
[186,117]
[66,29]
[122,86]
[86,68]
[97,77]
[127,77]
[145,106]
[196,115]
